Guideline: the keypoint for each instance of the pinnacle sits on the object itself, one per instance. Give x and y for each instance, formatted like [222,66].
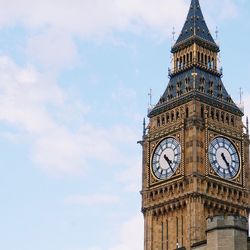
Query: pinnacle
[195,26]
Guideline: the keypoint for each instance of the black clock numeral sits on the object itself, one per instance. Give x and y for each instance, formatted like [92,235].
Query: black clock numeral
[224,173]
[230,172]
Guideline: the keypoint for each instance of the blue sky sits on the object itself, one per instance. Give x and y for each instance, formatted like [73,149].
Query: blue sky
[74,83]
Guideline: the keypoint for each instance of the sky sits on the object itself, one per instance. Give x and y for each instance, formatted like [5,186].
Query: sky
[74,82]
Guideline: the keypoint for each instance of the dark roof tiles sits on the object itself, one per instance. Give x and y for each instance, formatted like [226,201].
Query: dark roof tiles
[195,26]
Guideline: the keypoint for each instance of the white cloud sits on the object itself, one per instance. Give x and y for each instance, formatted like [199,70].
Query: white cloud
[97,17]
[52,48]
[94,248]
[91,200]
[36,107]
[53,25]
[93,17]
[122,92]
[131,235]
[223,10]
[131,176]
[23,95]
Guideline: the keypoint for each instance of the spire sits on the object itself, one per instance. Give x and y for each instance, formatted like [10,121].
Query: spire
[247,126]
[195,73]
[144,127]
[195,28]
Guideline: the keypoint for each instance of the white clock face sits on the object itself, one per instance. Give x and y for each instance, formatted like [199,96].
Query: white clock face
[166,158]
[224,158]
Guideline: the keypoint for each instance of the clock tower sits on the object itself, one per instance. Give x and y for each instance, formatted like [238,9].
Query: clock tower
[196,175]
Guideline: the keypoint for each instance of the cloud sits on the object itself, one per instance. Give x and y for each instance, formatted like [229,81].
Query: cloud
[131,235]
[91,200]
[93,17]
[88,18]
[131,176]
[43,113]
[223,10]
[122,93]
[52,48]
[53,26]
[24,94]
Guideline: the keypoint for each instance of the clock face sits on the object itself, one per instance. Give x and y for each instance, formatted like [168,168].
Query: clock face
[166,158]
[224,158]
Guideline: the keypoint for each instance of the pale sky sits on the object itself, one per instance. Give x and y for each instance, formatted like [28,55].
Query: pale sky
[74,83]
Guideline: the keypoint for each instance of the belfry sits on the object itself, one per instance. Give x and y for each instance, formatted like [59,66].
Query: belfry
[196,173]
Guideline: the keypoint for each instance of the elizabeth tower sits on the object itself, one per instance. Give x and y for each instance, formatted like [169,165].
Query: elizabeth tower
[195,147]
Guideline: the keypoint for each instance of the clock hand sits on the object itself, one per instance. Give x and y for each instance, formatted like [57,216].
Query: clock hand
[224,159]
[169,162]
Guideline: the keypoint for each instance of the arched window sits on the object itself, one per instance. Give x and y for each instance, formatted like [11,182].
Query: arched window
[217,116]
[191,56]
[167,118]
[177,114]
[202,112]
[222,116]
[187,112]
[158,122]
[172,116]
[232,120]
[202,58]
[163,120]
[212,63]
[209,62]
[212,113]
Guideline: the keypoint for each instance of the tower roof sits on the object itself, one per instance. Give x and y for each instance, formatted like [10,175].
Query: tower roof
[195,28]
[184,87]
[195,75]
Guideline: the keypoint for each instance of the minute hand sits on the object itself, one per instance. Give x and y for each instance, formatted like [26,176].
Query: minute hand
[169,162]
[224,159]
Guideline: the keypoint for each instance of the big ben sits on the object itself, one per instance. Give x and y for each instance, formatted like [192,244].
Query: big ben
[195,177]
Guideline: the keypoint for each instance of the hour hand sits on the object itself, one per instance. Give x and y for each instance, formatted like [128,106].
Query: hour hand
[169,162]
[224,159]
[167,159]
